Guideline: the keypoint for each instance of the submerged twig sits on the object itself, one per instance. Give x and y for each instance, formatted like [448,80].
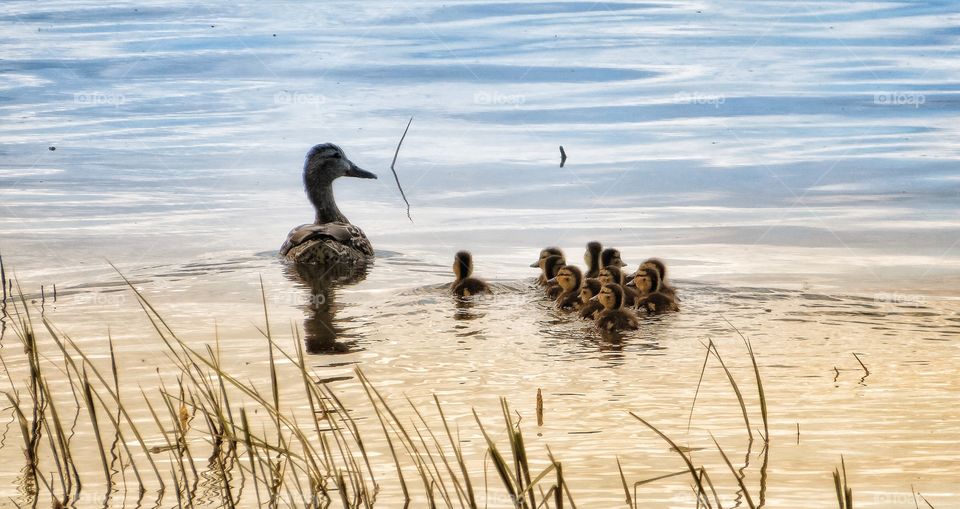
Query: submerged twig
[395,177]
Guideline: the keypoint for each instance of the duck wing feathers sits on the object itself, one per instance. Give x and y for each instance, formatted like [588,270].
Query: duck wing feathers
[341,233]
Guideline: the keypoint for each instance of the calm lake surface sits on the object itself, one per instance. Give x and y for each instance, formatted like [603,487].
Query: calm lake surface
[795,163]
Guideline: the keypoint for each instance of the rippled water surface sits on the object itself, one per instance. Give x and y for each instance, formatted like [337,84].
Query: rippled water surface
[795,163]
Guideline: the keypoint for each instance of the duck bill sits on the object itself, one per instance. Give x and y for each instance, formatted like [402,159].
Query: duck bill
[535,264]
[595,298]
[552,280]
[356,171]
[619,263]
[631,283]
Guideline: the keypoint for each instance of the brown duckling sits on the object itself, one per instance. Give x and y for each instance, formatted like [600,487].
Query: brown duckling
[652,300]
[611,256]
[589,308]
[613,274]
[552,266]
[591,257]
[570,279]
[614,317]
[464,285]
[544,254]
[665,287]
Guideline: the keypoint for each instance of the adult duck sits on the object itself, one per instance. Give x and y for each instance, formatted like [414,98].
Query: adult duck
[330,239]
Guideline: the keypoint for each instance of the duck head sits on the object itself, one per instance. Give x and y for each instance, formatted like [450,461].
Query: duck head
[655,263]
[610,296]
[590,288]
[462,265]
[647,280]
[545,253]
[591,257]
[324,164]
[611,274]
[552,265]
[569,278]
[611,256]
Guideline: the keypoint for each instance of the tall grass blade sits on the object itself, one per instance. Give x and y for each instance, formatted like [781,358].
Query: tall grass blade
[693,471]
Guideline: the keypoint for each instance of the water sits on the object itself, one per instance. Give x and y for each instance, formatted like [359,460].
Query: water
[796,158]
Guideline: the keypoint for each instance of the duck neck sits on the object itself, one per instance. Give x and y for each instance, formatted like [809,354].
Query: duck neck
[594,267]
[321,195]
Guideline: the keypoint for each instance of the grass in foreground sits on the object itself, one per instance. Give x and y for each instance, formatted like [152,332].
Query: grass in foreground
[213,439]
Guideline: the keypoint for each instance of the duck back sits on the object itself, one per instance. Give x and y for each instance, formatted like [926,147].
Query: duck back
[657,303]
[470,286]
[617,319]
[329,243]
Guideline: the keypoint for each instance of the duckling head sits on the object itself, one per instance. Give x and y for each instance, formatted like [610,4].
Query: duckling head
[611,256]
[552,265]
[610,296]
[611,274]
[326,162]
[569,278]
[647,280]
[655,263]
[592,255]
[545,253]
[462,265]
[590,288]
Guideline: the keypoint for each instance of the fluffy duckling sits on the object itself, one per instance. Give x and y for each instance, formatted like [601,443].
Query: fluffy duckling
[591,257]
[611,256]
[544,254]
[552,266]
[612,274]
[465,286]
[570,279]
[665,288]
[589,308]
[614,317]
[652,300]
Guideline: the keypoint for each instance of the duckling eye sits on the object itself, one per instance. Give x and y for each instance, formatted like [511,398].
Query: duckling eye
[337,155]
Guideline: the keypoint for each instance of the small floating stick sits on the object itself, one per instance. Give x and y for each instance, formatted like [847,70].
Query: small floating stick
[402,194]
[862,365]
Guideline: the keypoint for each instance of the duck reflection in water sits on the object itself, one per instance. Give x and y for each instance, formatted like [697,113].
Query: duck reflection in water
[328,253]
[324,333]
[465,309]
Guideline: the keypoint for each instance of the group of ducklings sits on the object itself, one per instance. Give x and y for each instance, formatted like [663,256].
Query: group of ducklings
[602,294]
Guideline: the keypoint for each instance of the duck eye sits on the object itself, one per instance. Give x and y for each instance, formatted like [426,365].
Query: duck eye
[337,155]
